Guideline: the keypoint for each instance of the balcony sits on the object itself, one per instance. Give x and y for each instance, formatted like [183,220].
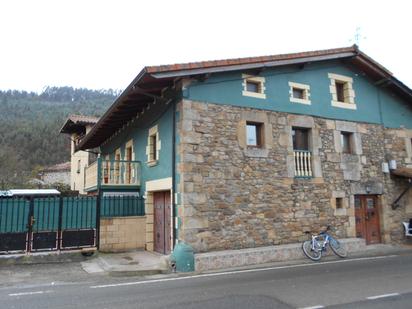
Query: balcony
[106,173]
[303,165]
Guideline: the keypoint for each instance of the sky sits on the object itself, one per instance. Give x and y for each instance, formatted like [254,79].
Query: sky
[104,44]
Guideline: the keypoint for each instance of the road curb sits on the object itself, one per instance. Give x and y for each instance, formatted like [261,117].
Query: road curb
[43,258]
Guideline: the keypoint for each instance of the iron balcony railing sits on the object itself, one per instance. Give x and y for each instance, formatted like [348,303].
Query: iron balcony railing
[303,163]
[112,173]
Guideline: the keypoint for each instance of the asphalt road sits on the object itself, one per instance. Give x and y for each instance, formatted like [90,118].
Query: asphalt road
[370,282]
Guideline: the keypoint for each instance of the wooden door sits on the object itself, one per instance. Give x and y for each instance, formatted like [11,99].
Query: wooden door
[162,222]
[367,218]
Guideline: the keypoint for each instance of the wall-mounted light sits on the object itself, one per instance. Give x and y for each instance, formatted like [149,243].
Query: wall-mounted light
[385,167]
[392,164]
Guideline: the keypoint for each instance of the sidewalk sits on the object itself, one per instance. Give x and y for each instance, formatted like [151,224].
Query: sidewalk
[148,263]
[135,263]
[143,263]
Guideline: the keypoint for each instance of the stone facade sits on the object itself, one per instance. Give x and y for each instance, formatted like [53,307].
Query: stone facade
[234,197]
[122,234]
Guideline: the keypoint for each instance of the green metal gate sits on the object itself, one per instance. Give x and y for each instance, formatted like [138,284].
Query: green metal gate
[59,223]
[45,224]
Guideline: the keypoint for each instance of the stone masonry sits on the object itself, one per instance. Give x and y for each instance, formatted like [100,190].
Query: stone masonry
[120,234]
[234,197]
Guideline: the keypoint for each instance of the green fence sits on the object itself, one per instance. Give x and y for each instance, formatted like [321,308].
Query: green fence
[122,206]
[13,215]
[59,223]
[79,212]
[70,212]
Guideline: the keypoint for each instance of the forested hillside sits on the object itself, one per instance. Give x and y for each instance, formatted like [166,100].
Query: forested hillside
[30,123]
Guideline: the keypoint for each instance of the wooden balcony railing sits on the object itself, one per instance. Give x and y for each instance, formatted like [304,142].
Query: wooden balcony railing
[112,173]
[303,164]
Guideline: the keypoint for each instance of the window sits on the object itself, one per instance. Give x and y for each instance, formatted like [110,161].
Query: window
[153,146]
[78,166]
[339,203]
[342,92]
[346,142]
[153,150]
[117,159]
[254,134]
[300,138]
[302,155]
[299,93]
[129,158]
[106,170]
[253,86]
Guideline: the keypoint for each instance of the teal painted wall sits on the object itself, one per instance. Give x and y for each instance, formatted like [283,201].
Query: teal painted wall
[139,135]
[226,88]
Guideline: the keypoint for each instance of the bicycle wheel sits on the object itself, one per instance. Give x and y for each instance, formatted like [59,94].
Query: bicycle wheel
[338,248]
[314,254]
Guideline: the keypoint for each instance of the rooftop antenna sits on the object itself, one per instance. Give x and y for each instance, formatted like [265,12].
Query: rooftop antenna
[357,38]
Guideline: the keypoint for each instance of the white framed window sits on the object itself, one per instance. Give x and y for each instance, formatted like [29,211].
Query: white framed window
[299,93]
[254,134]
[253,86]
[342,92]
[153,146]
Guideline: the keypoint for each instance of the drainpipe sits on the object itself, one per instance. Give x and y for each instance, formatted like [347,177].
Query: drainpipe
[174,175]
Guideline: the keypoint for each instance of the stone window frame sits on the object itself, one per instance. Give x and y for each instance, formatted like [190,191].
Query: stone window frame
[349,93]
[356,158]
[129,144]
[254,79]
[315,143]
[153,160]
[356,140]
[306,93]
[344,211]
[129,167]
[262,118]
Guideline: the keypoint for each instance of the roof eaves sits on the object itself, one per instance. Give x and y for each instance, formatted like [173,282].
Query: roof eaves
[83,143]
[247,66]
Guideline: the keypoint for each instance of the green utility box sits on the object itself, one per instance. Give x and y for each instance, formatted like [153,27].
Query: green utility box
[183,257]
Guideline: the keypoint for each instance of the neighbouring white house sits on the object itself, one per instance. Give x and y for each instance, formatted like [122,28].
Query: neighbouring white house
[77,126]
[58,173]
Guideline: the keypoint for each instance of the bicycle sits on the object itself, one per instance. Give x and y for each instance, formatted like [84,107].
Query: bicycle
[318,244]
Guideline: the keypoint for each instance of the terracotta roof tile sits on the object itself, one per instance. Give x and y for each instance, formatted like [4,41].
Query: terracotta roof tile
[83,119]
[248,60]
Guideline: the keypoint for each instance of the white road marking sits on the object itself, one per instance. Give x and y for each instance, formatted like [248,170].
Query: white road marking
[29,293]
[313,307]
[238,272]
[382,296]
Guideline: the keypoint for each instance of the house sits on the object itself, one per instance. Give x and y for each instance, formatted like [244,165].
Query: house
[251,152]
[77,126]
[58,173]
